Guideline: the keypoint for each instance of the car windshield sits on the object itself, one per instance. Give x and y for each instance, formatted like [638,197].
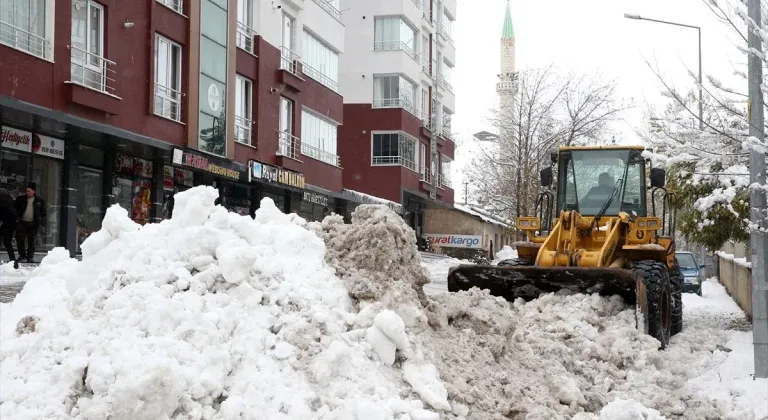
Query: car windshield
[686,261]
[591,176]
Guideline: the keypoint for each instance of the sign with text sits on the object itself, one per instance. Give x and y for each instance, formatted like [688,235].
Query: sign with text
[316,198]
[16,139]
[48,146]
[269,173]
[455,241]
[202,163]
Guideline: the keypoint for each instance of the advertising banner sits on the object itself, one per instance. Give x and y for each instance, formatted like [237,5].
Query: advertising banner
[48,146]
[16,139]
[455,241]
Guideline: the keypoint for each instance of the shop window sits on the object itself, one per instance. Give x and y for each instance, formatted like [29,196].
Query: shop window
[279,199]
[238,199]
[90,192]
[46,173]
[133,182]
[174,180]
[14,171]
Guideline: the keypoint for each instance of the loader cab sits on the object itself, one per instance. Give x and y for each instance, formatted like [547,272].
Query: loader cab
[588,178]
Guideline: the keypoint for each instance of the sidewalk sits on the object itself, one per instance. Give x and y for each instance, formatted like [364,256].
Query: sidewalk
[12,280]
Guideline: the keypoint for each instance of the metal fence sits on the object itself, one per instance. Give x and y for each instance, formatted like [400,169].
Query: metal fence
[92,70]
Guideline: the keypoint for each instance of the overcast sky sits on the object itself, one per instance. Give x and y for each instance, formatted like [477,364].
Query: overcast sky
[588,35]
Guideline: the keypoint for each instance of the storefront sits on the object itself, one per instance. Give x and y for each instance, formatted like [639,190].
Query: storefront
[283,186]
[31,157]
[193,168]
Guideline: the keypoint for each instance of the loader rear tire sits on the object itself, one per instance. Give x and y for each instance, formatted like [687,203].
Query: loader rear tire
[658,290]
[676,279]
[515,262]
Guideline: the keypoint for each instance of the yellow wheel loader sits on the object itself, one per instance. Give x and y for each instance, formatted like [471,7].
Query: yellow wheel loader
[604,240]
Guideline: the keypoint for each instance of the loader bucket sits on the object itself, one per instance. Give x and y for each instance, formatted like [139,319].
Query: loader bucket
[528,282]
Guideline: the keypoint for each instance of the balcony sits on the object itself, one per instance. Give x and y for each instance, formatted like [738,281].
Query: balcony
[20,39]
[443,180]
[243,130]
[393,161]
[425,176]
[396,103]
[288,145]
[320,77]
[329,8]
[320,154]
[175,5]
[443,33]
[417,3]
[445,84]
[92,71]
[246,37]
[167,102]
[289,61]
[395,46]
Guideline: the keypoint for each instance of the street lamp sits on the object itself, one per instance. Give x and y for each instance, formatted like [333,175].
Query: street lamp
[635,16]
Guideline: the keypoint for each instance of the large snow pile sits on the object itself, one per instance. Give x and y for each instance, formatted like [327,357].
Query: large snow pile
[212,315]
[209,315]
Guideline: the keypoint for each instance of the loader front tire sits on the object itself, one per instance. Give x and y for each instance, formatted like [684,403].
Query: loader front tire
[659,297]
[515,262]
[676,279]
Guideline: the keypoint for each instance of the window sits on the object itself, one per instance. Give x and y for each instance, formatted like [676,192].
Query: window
[23,26]
[245,32]
[394,33]
[394,91]
[167,78]
[424,104]
[318,138]
[288,57]
[243,114]
[287,142]
[177,5]
[320,62]
[445,129]
[88,65]
[445,171]
[446,75]
[394,149]
[446,26]
[435,165]
[330,6]
[423,161]
[425,54]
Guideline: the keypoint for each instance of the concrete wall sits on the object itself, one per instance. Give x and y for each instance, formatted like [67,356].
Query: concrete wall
[737,280]
[447,221]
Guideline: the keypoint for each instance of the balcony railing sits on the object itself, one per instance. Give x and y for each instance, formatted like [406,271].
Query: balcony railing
[396,103]
[445,132]
[443,180]
[425,176]
[393,160]
[417,3]
[320,77]
[444,33]
[331,9]
[395,46]
[92,70]
[245,37]
[320,154]
[445,84]
[289,61]
[26,41]
[288,145]
[177,5]
[168,102]
[243,130]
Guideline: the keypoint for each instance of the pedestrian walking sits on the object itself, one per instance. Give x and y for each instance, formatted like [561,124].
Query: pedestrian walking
[8,223]
[32,215]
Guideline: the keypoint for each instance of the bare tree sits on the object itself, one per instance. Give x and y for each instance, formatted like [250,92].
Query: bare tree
[549,110]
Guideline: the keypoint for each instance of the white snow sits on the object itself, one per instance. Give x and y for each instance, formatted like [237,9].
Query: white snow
[742,261]
[212,315]
[10,275]
[505,253]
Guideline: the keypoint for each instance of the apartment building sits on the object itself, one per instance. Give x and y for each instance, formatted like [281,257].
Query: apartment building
[396,81]
[105,102]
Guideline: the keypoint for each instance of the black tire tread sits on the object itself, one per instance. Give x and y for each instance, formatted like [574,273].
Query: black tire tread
[655,275]
[676,280]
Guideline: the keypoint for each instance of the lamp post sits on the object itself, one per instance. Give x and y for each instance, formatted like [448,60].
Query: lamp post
[698,30]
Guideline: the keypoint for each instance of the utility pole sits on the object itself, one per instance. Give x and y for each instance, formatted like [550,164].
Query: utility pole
[757,200]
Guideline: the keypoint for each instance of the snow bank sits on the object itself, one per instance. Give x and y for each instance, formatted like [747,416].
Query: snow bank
[209,315]
[505,253]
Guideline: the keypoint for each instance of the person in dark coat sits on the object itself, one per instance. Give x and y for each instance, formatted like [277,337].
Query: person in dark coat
[32,215]
[8,223]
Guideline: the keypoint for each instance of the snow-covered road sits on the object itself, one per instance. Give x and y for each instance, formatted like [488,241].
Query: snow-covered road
[712,358]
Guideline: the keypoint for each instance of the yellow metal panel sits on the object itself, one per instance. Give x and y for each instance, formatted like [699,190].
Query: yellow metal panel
[614,147]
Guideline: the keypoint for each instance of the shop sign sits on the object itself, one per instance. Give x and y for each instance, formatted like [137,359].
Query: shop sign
[16,139]
[48,146]
[167,177]
[202,163]
[316,198]
[454,241]
[269,173]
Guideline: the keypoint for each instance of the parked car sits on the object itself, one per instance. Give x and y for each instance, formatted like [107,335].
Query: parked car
[691,272]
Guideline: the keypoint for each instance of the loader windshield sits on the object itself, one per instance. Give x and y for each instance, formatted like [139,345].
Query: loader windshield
[590,176]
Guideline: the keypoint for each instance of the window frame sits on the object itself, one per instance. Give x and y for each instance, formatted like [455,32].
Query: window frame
[399,159]
[329,78]
[319,153]
[87,42]
[247,118]
[172,48]
[24,41]
[175,5]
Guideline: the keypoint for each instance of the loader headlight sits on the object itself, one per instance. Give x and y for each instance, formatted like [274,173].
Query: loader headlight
[653,223]
[641,223]
[524,223]
[648,223]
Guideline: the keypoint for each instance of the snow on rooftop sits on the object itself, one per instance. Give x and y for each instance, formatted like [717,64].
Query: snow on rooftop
[482,214]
